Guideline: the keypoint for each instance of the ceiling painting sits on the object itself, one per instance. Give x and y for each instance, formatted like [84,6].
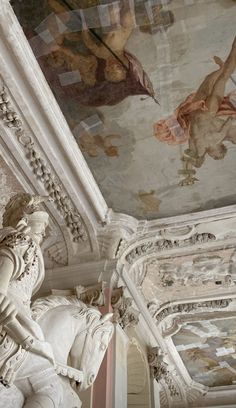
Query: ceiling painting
[207,349]
[148,89]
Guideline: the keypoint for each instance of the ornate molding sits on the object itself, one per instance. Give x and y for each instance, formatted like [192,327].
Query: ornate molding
[42,170]
[124,314]
[159,245]
[169,318]
[184,308]
[175,323]
[175,236]
[201,270]
[160,372]
[194,394]
[138,274]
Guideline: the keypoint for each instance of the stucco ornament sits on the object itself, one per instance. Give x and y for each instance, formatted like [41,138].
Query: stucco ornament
[77,333]
[28,366]
[124,313]
[23,351]
[159,370]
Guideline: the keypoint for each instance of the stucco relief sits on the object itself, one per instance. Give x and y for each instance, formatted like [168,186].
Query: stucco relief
[167,244]
[54,246]
[159,370]
[124,312]
[179,308]
[29,349]
[208,272]
[41,168]
[178,238]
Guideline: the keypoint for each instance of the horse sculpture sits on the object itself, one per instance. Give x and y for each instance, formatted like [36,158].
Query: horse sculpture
[79,336]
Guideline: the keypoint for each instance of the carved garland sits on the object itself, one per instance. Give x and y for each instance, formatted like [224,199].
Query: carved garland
[166,244]
[42,170]
[187,308]
[159,370]
[123,312]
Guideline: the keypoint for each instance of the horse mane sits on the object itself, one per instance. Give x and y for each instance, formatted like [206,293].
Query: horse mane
[44,304]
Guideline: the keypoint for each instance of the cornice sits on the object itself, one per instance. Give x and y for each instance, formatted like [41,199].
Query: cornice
[213,231]
[85,274]
[35,102]
[41,168]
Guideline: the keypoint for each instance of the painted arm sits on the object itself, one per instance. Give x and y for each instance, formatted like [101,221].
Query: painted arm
[98,50]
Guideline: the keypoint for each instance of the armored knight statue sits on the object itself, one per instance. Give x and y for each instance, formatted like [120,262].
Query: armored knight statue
[26,359]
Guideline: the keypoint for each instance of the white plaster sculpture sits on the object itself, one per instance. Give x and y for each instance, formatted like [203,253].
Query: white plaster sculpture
[79,336]
[27,361]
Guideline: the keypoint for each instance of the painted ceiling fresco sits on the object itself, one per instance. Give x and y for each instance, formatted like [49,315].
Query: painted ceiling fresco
[208,351]
[149,91]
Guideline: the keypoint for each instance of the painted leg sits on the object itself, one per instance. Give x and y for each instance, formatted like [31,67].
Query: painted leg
[214,100]
[226,68]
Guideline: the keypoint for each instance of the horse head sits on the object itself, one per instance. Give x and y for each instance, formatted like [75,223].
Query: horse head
[89,349]
[79,336]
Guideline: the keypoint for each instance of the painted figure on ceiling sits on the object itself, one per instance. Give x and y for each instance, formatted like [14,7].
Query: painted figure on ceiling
[109,73]
[204,119]
[93,145]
